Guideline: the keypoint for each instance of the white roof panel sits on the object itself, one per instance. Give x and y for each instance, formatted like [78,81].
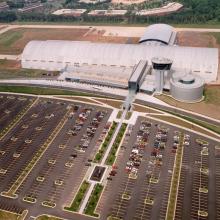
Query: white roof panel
[158,32]
[56,55]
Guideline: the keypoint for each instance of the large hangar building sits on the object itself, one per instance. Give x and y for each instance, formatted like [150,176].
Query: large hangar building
[115,64]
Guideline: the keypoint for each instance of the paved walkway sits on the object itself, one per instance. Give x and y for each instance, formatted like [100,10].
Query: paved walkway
[85,201]
[10,57]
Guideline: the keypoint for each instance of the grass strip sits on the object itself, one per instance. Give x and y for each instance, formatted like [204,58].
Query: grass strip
[93,200]
[201,123]
[119,114]
[79,197]
[105,144]
[170,214]
[112,154]
[41,90]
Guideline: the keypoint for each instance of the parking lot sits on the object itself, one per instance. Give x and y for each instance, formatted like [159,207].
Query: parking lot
[144,170]
[138,184]
[11,106]
[141,191]
[59,166]
[23,142]
[66,160]
[198,190]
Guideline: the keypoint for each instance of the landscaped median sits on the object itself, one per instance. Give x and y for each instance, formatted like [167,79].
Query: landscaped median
[171,207]
[93,200]
[112,154]
[105,144]
[79,197]
[17,118]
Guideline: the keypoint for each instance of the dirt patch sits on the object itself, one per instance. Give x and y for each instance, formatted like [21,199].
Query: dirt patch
[14,41]
[185,124]
[195,39]
[95,35]
[2,27]
[37,34]
[10,64]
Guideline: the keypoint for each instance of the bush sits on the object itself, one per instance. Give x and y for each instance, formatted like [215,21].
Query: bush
[94,197]
[111,157]
[77,201]
[101,152]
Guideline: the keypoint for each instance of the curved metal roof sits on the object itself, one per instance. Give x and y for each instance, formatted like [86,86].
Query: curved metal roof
[57,55]
[158,32]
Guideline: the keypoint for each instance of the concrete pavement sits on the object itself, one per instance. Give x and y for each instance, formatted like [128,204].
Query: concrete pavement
[10,57]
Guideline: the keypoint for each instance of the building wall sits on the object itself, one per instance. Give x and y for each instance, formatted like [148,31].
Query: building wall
[186,93]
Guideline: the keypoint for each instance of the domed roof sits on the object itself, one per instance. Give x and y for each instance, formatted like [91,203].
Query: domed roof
[158,32]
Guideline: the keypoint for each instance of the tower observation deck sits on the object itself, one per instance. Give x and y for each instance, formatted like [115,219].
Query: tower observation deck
[160,66]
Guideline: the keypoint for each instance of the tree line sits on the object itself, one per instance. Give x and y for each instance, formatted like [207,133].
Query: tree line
[195,12]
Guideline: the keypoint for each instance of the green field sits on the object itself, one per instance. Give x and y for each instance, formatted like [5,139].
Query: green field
[105,144]
[46,217]
[8,73]
[8,38]
[40,90]
[112,154]
[212,93]
[93,200]
[79,197]
[8,216]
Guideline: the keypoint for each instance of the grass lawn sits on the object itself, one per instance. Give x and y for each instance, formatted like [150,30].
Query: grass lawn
[185,124]
[8,216]
[79,197]
[20,73]
[10,69]
[210,106]
[175,181]
[8,38]
[105,144]
[93,200]
[212,93]
[46,217]
[40,90]
[216,35]
[204,124]
[112,154]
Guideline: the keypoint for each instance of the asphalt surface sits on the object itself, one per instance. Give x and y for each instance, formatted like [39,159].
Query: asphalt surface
[61,182]
[36,128]
[135,208]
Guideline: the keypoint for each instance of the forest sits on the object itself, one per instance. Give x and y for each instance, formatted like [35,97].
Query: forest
[194,12]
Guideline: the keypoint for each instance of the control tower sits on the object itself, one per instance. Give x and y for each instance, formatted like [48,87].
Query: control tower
[160,66]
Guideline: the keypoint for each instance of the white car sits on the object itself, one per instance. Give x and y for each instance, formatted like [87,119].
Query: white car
[186,143]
